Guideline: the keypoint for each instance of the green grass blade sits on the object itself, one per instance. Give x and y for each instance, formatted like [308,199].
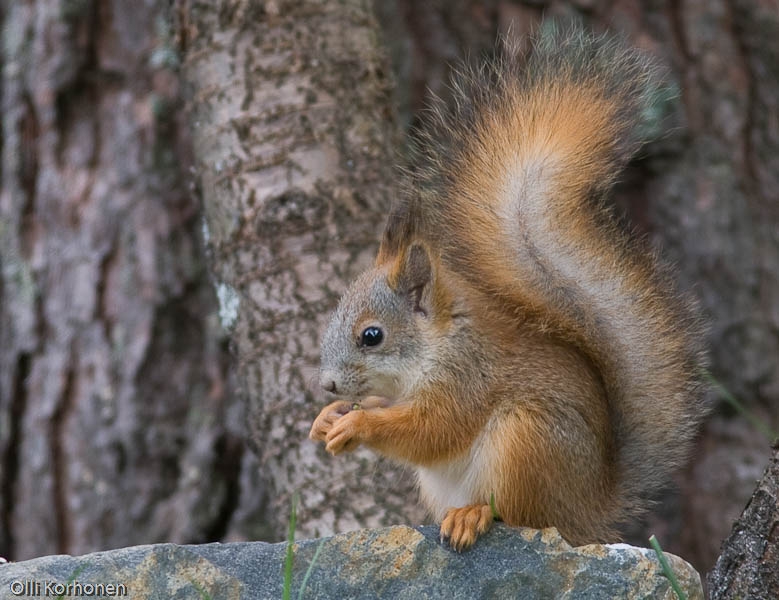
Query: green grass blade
[73,576]
[756,422]
[493,508]
[310,568]
[667,570]
[293,517]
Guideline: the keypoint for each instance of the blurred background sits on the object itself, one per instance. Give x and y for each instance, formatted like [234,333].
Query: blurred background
[121,413]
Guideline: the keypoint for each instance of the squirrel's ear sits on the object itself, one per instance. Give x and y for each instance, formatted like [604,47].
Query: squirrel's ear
[413,277]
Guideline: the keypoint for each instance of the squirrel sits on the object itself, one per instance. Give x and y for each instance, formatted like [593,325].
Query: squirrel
[514,342]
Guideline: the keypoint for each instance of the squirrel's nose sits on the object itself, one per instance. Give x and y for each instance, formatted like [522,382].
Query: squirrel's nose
[328,380]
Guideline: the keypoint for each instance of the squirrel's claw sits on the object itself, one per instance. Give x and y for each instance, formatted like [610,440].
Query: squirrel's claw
[462,526]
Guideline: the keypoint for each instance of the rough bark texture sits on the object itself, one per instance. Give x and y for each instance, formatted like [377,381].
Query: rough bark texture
[293,136]
[112,375]
[749,564]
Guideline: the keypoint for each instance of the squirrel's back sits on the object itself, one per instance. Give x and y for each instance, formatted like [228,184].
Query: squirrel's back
[511,189]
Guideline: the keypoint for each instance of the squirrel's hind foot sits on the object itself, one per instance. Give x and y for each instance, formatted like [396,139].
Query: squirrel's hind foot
[462,526]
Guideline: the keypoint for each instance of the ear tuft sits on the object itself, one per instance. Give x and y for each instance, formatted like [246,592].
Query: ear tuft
[413,277]
[418,270]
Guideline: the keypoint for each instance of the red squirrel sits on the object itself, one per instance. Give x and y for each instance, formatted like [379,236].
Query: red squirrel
[513,343]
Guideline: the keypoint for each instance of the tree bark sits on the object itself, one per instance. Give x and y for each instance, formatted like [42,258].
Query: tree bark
[113,390]
[748,566]
[293,135]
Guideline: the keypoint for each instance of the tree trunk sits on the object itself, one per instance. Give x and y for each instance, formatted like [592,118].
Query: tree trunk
[749,564]
[293,137]
[113,397]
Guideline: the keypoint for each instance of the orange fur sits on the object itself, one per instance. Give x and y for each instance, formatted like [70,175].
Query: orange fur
[535,352]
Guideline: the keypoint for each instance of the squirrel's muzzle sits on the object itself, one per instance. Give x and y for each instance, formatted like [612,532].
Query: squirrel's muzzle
[327,381]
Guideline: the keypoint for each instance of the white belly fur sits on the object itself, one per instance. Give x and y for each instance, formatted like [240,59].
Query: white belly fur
[456,483]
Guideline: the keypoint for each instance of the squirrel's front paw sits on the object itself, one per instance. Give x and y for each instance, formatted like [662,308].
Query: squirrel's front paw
[346,433]
[329,415]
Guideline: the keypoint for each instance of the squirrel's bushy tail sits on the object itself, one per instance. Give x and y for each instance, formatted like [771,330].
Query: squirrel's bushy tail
[514,181]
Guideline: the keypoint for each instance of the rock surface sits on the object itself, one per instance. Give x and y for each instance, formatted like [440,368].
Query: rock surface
[396,562]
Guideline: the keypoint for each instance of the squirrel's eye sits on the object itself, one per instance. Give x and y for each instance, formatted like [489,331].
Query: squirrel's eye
[371,336]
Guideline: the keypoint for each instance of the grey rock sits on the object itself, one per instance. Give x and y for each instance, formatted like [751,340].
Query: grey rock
[395,562]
